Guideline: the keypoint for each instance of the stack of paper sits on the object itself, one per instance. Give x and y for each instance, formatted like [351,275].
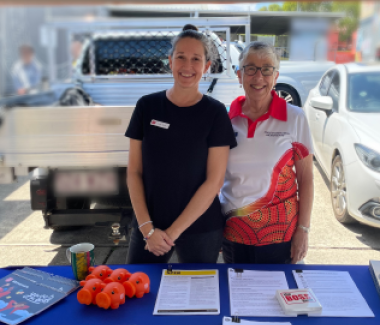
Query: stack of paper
[188,292]
[374,267]
[253,293]
[336,291]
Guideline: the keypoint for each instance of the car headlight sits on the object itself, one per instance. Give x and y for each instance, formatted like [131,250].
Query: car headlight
[369,157]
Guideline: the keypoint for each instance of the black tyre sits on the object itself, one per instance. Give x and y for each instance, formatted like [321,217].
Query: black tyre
[289,94]
[339,192]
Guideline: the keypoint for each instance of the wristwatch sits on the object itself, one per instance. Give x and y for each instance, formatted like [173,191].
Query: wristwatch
[150,233]
[305,229]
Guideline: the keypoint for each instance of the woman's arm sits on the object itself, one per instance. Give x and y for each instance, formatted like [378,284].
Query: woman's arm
[205,195]
[159,243]
[305,180]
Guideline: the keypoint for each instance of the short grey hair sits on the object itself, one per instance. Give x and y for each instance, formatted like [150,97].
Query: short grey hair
[260,48]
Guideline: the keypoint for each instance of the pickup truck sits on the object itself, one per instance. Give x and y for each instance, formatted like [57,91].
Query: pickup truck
[79,154]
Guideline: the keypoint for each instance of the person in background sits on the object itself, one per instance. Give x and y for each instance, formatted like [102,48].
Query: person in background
[179,145]
[76,50]
[267,195]
[27,71]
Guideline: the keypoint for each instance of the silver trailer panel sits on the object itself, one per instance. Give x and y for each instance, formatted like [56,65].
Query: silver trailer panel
[65,136]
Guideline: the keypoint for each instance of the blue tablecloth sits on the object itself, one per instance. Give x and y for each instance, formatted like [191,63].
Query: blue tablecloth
[140,311]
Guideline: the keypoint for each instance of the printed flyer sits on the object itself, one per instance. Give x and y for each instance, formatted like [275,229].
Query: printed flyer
[23,295]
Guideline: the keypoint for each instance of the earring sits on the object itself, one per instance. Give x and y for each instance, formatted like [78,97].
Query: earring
[240,86]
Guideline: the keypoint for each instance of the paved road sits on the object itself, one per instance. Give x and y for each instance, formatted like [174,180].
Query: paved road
[24,241]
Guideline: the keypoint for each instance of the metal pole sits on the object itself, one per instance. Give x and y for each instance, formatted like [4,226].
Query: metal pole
[69,40]
[51,55]
[228,41]
[92,58]
[247,34]
[3,54]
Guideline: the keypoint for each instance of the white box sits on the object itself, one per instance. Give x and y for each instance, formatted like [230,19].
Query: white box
[298,301]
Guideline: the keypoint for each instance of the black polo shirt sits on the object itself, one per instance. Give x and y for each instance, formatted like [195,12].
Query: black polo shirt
[175,143]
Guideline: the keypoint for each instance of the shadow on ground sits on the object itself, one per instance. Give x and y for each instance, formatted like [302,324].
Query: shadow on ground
[323,175]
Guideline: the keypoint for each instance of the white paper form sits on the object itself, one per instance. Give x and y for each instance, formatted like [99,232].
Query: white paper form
[253,293]
[228,321]
[336,291]
[185,292]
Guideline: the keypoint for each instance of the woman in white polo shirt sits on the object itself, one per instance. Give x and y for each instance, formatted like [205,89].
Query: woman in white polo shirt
[267,195]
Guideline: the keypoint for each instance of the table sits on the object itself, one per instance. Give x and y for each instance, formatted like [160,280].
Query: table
[140,311]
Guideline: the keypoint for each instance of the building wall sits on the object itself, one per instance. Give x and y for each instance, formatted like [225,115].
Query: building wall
[368,35]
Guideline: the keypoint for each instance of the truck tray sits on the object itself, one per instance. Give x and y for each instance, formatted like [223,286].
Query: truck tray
[65,136]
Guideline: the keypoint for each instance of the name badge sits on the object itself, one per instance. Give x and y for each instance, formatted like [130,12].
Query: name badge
[160,124]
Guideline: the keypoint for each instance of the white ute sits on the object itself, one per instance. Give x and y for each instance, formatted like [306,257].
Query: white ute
[80,154]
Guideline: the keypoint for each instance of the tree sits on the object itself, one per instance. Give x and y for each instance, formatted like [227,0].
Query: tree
[320,6]
[289,6]
[275,7]
[346,25]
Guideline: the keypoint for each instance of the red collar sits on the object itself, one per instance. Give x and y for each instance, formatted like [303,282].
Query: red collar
[277,107]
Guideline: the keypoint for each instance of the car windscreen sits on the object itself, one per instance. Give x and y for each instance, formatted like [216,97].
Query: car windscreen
[363,92]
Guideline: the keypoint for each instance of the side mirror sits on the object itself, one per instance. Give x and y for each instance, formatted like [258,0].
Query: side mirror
[322,102]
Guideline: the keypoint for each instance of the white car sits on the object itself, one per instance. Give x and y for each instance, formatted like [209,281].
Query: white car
[343,112]
[296,78]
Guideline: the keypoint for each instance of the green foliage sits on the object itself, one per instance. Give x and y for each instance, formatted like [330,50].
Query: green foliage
[289,6]
[346,25]
[275,7]
[320,6]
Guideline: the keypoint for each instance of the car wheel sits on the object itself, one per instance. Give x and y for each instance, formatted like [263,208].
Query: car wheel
[339,192]
[289,94]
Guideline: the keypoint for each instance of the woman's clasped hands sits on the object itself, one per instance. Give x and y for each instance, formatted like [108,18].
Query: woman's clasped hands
[159,243]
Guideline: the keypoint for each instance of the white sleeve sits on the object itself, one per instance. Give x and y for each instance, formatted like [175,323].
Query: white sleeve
[303,142]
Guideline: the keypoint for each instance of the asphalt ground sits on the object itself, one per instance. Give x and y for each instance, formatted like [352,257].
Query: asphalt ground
[25,241]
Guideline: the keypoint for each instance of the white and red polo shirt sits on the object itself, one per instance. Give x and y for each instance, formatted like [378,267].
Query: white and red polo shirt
[259,195]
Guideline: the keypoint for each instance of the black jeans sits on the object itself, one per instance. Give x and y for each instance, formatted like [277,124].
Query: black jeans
[190,248]
[247,254]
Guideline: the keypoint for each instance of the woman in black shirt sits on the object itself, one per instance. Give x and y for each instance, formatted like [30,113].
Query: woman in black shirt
[179,145]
